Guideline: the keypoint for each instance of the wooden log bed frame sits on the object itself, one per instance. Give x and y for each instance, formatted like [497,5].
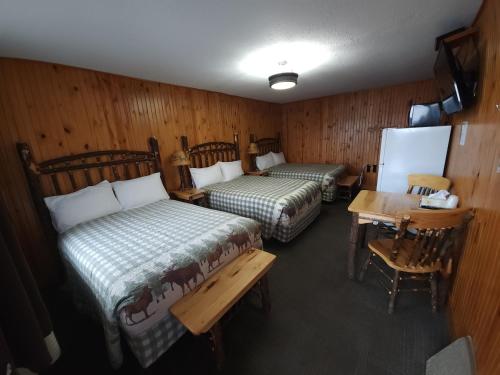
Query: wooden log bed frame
[67,174]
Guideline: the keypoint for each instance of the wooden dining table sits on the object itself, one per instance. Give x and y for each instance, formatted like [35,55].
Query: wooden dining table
[374,206]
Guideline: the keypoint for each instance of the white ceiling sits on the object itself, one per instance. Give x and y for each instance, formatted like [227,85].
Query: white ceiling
[203,43]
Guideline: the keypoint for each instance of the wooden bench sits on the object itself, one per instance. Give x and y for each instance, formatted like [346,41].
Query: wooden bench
[201,310]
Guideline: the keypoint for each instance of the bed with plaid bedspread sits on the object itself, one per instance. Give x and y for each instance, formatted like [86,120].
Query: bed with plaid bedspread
[133,265]
[283,207]
[325,174]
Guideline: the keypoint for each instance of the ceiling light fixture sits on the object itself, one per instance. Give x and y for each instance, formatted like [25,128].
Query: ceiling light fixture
[283,81]
[299,57]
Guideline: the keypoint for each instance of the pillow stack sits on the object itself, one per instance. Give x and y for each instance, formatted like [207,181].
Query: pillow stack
[83,205]
[140,191]
[219,172]
[279,158]
[92,202]
[269,160]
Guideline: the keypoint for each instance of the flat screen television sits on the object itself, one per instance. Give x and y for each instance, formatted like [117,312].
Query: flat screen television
[456,73]
[428,114]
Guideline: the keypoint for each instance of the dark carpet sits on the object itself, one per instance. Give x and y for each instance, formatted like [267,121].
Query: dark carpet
[321,322]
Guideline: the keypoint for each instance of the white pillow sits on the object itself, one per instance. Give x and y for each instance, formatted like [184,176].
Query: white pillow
[140,191]
[264,161]
[278,158]
[83,205]
[206,176]
[231,169]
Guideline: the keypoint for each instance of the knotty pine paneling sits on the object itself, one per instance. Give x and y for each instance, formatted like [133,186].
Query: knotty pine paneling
[346,128]
[61,110]
[475,300]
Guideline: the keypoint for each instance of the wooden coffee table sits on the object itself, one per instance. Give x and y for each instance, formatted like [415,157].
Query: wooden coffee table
[201,310]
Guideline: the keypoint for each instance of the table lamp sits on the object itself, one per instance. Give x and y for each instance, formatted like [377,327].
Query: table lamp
[253,151]
[180,159]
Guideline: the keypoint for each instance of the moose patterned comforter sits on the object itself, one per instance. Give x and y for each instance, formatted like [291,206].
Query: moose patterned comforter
[283,207]
[134,264]
[325,174]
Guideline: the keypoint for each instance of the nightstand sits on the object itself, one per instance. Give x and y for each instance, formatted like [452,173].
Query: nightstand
[257,173]
[346,186]
[193,195]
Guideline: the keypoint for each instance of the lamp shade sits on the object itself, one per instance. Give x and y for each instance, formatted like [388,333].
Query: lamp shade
[179,158]
[253,149]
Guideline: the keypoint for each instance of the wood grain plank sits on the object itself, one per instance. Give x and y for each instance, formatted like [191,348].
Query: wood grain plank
[201,308]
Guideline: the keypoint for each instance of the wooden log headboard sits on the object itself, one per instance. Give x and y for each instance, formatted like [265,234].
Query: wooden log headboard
[206,154]
[266,145]
[67,174]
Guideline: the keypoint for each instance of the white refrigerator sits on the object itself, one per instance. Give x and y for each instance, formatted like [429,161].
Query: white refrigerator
[405,151]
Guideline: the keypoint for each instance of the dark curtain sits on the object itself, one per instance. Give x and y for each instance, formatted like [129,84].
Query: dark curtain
[6,361]
[24,321]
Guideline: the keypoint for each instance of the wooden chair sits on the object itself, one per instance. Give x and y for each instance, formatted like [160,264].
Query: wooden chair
[425,184]
[422,257]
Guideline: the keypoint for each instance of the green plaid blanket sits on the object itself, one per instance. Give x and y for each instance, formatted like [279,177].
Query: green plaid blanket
[270,201]
[325,174]
[134,264]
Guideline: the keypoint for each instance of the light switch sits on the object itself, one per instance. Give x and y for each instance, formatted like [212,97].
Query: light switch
[463,132]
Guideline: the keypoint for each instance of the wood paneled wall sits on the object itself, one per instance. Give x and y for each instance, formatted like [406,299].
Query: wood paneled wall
[60,110]
[475,301]
[346,128]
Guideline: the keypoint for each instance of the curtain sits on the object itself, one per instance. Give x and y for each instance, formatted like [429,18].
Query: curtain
[26,334]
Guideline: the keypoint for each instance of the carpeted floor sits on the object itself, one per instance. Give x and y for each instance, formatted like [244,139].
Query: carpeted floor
[321,322]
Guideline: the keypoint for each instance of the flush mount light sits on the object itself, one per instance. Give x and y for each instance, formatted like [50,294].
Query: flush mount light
[283,81]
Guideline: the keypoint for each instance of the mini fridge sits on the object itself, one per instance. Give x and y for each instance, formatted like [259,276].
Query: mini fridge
[405,151]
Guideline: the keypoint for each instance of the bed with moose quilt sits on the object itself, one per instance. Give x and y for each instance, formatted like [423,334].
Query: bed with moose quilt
[284,207]
[130,267]
[325,174]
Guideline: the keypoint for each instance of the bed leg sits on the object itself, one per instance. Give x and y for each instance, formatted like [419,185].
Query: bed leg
[216,344]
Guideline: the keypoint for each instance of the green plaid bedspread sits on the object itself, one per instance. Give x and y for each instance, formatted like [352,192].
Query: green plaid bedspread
[271,201]
[325,174]
[134,264]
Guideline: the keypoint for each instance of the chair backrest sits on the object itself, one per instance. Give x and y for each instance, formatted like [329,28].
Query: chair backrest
[435,234]
[426,184]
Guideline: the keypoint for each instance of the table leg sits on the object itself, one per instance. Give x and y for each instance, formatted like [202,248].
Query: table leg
[217,345]
[357,231]
[264,294]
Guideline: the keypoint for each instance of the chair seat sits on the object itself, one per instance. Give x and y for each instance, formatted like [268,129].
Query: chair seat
[383,249]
